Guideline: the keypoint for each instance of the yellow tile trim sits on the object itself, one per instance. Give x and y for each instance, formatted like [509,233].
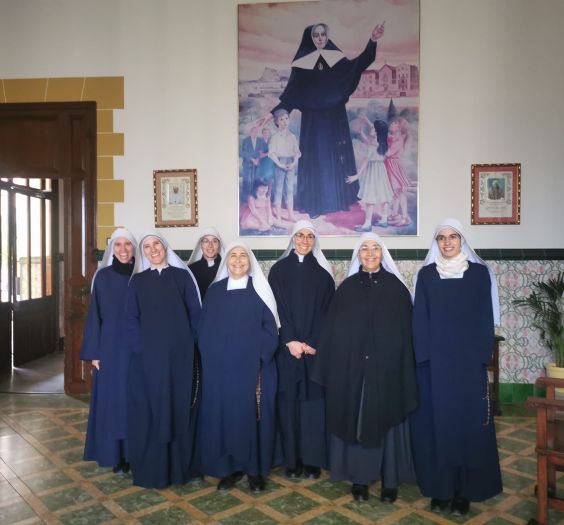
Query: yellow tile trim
[105,214]
[110,144]
[105,120]
[103,233]
[105,168]
[110,190]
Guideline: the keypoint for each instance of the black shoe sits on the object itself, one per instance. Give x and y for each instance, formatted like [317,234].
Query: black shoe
[229,481]
[359,492]
[460,505]
[256,483]
[293,473]
[439,505]
[122,467]
[388,495]
[125,467]
[311,472]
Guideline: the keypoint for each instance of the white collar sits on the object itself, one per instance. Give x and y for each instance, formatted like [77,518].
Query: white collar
[237,284]
[331,56]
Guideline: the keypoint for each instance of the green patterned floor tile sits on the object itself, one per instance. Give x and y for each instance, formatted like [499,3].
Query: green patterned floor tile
[331,518]
[24,417]
[75,417]
[525,465]
[20,453]
[65,498]
[15,511]
[493,502]
[502,454]
[525,434]
[140,500]
[39,424]
[88,516]
[499,521]
[72,456]
[372,509]
[511,445]
[81,427]
[456,518]
[414,519]
[249,517]
[114,483]
[7,492]
[46,434]
[168,516]
[31,466]
[515,482]
[190,487]
[215,502]
[409,493]
[63,444]
[292,504]
[330,490]
[47,480]
[527,509]
[91,469]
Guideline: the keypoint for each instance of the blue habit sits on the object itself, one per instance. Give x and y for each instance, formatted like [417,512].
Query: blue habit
[453,432]
[237,341]
[104,339]
[303,292]
[162,312]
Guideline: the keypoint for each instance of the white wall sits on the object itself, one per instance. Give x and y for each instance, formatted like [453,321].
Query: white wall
[492,76]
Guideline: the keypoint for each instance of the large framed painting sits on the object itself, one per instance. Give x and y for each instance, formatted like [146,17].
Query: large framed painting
[328,116]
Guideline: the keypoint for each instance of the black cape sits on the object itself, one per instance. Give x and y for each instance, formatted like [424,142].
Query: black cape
[303,292]
[366,345]
[204,274]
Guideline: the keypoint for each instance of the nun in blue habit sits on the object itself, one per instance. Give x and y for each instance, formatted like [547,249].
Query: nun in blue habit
[163,309]
[453,433]
[303,285]
[104,344]
[238,337]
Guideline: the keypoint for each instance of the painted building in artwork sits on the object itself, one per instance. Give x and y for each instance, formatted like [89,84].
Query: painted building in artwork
[389,81]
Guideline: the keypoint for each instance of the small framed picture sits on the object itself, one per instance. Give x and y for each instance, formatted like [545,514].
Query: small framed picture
[496,194]
[176,198]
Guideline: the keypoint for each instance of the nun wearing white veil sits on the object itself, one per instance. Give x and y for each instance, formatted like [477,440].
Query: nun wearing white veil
[206,258]
[104,344]
[365,362]
[163,311]
[302,282]
[455,308]
[237,339]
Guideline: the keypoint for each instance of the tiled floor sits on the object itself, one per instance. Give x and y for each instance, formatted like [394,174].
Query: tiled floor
[44,480]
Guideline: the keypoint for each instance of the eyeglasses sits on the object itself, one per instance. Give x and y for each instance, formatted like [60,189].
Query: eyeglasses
[367,249]
[453,237]
[301,237]
[209,242]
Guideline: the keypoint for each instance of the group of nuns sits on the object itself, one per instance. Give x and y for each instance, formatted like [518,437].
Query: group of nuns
[364,381]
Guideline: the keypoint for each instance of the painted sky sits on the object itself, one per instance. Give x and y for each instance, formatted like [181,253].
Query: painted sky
[269,34]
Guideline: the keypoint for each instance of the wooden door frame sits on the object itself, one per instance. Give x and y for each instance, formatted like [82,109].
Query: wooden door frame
[71,157]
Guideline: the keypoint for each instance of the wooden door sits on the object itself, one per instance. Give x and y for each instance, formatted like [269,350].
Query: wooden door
[58,141]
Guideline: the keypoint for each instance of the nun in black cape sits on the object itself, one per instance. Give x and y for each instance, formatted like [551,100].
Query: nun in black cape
[320,84]
[163,310]
[104,344]
[303,285]
[456,306]
[365,361]
[206,258]
[238,336]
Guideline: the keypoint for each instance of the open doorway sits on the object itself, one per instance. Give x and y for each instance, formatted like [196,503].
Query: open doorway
[31,360]
[47,198]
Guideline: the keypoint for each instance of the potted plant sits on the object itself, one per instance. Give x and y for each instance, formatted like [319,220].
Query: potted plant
[546,303]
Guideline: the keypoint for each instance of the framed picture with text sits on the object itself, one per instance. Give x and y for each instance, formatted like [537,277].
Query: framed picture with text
[496,194]
[175,197]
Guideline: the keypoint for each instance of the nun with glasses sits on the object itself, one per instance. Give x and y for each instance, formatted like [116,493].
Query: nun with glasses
[365,362]
[456,306]
[163,310]
[206,258]
[238,337]
[104,344]
[303,285]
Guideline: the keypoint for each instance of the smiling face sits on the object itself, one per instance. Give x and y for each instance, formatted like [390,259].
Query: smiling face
[210,247]
[450,243]
[304,241]
[155,251]
[123,250]
[319,36]
[238,262]
[370,256]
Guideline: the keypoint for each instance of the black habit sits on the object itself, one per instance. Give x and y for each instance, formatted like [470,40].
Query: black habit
[204,273]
